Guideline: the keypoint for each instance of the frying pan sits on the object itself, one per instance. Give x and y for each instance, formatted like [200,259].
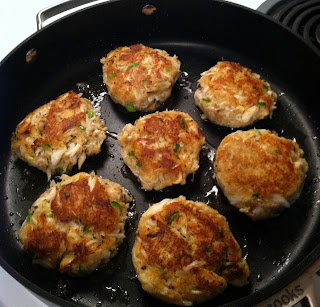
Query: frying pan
[66,57]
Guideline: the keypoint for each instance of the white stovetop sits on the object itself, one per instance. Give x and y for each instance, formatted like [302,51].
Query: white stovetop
[17,22]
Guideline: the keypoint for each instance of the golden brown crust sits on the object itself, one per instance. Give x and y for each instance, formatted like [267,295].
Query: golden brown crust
[60,119]
[140,75]
[257,168]
[91,207]
[230,77]
[184,252]
[63,114]
[45,240]
[59,134]
[162,148]
[77,224]
[231,95]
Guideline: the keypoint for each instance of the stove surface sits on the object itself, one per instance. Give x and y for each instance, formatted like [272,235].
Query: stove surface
[301,16]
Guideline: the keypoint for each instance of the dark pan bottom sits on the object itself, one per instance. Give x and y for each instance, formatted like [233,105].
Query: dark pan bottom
[271,247]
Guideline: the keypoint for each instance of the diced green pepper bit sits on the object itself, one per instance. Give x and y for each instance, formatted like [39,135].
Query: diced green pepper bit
[276,151]
[173,216]
[50,214]
[132,66]
[59,186]
[257,195]
[86,228]
[14,137]
[258,133]
[162,272]
[206,100]
[47,147]
[261,103]
[183,124]
[300,188]
[59,170]
[131,154]
[90,114]
[112,75]
[116,205]
[130,107]
[168,69]
[31,158]
[82,127]
[29,217]
[266,87]
[176,147]
[139,164]
[82,268]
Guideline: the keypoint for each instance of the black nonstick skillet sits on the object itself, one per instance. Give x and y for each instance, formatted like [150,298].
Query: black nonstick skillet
[65,56]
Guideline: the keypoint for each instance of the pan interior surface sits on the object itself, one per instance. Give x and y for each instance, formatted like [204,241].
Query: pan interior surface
[68,58]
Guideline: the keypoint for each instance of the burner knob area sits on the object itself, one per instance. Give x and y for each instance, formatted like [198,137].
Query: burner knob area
[301,16]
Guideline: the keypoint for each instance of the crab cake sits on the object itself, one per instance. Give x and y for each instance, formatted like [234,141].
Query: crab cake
[77,224]
[184,252]
[162,149]
[59,134]
[259,172]
[139,77]
[231,95]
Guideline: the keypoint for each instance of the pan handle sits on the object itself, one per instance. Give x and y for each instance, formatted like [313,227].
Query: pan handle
[61,7]
[302,287]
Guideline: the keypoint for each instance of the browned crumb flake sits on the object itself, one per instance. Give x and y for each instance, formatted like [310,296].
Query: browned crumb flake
[148,9]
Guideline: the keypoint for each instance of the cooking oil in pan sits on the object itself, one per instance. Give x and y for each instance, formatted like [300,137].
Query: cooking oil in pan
[92,95]
[131,218]
[184,82]
[112,134]
[117,294]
